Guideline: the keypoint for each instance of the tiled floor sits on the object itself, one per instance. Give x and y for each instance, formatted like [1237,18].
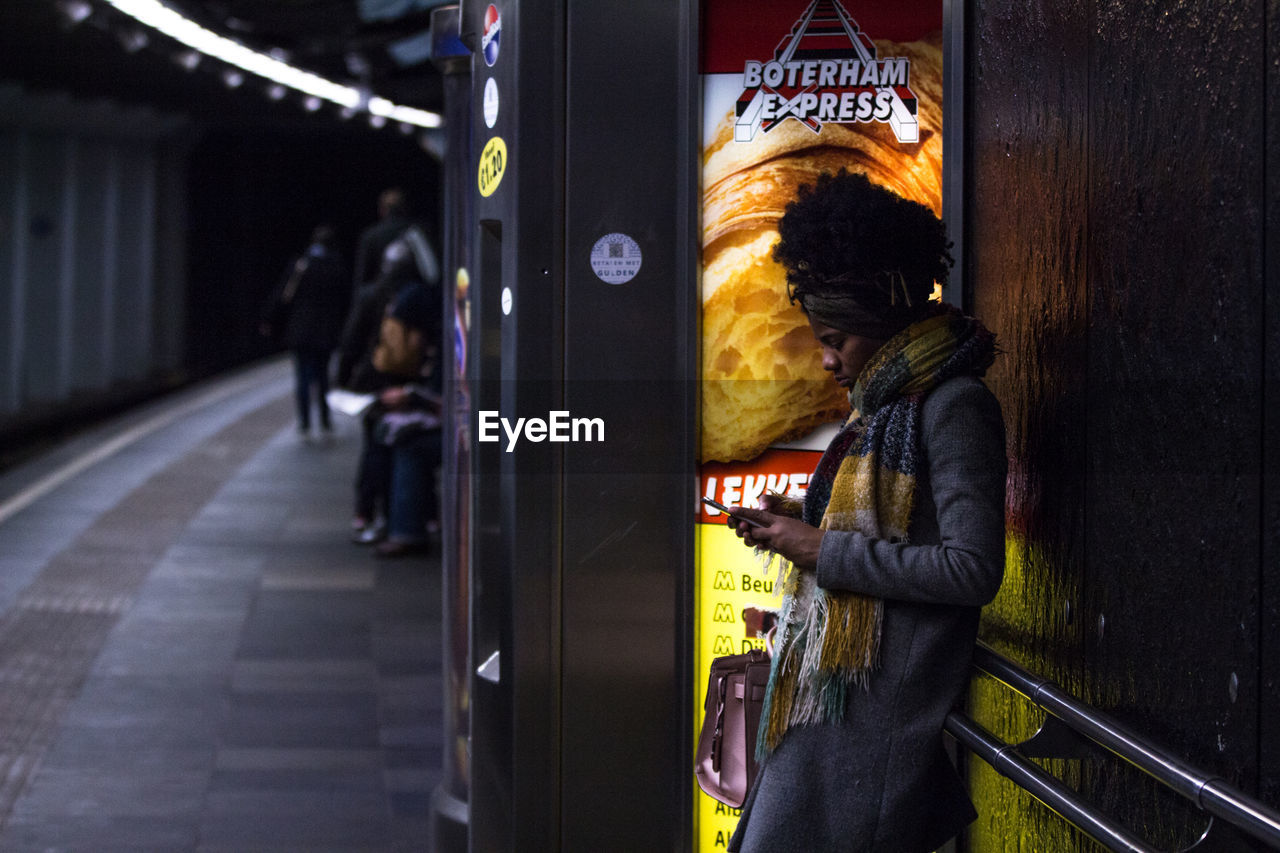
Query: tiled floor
[194,657]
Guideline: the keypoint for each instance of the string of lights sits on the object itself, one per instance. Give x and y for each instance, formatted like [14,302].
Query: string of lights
[282,76]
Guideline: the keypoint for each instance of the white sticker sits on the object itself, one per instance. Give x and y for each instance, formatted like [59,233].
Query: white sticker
[616,258]
[490,102]
[506,300]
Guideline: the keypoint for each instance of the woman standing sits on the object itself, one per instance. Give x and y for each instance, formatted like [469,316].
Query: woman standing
[897,544]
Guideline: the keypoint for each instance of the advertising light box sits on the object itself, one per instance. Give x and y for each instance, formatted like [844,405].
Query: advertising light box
[791,89]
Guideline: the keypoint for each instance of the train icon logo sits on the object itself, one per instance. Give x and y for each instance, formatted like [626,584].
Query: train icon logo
[492,33]
[826,70]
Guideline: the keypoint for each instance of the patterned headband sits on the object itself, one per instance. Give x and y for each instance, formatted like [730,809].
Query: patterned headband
[827,300]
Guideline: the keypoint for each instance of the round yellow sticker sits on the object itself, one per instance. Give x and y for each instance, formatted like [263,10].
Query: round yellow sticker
[493,163]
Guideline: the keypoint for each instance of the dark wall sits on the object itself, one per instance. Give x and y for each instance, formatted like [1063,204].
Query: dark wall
[1269,752]
[1117,231]
[255,194]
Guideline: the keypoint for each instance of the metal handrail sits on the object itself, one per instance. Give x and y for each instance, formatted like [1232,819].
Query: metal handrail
[1209,793]
[1043,786]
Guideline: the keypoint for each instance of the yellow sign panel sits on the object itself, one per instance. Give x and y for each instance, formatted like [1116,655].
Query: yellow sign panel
[734,599]
[493,165]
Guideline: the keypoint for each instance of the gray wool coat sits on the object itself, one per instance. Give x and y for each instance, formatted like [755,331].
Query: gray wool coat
[881,782]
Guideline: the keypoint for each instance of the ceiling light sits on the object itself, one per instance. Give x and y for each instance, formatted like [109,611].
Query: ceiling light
[133,40]
[75,11]
[311,103]
[377,120]
[276,92]
[189,59]
[232,78]
[155,14]
[357,65]
[421,118]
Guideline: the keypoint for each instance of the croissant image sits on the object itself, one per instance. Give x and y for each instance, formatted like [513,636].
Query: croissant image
[762,377]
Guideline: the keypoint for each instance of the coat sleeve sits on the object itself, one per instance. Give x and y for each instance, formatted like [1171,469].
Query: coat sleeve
[356,334]
[367,265]
[964,441]
[275,310]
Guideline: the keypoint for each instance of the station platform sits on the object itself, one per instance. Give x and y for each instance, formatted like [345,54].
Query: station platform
[193,656]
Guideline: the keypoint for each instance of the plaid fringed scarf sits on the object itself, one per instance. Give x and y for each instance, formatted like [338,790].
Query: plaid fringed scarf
[829,640]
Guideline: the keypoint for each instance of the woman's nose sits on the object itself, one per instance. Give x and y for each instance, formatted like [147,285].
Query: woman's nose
[829,360]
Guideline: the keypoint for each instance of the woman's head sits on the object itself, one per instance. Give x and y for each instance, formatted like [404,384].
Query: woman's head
[859,257]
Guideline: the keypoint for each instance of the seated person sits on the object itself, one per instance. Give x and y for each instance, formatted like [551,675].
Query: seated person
[407,431]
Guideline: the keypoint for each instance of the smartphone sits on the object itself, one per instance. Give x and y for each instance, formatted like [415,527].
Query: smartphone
[725,510]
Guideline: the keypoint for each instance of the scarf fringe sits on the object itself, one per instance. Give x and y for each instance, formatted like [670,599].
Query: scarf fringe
[828,642]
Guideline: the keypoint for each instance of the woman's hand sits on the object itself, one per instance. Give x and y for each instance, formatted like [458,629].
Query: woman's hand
[790,537]
[770,501]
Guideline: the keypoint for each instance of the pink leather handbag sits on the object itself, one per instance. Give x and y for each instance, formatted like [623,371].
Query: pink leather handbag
[726,760]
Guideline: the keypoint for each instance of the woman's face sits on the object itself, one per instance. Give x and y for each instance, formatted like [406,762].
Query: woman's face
[843,354]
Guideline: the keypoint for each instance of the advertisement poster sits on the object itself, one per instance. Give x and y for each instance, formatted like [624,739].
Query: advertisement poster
[791,89]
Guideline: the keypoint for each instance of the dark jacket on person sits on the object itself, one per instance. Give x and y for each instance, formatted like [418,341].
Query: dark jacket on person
[311,303]
[372,245]
[407,259]
[400,288]
[360,336]
[881,782]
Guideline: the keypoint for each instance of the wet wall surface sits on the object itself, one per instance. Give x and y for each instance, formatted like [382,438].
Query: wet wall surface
[1269,752]
[1117,225]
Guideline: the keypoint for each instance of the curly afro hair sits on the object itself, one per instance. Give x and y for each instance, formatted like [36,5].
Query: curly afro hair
[845,236]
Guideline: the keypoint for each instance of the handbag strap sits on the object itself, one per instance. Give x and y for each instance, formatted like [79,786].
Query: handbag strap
[717,737]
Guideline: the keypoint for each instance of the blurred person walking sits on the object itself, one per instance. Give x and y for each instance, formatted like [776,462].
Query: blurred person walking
[307,312]
[393,218]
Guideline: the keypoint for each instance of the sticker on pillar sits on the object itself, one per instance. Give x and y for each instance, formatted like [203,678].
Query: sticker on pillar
[493,164]
[492,32]
[461,321]
[490,102]
[616,258]
[507,301]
